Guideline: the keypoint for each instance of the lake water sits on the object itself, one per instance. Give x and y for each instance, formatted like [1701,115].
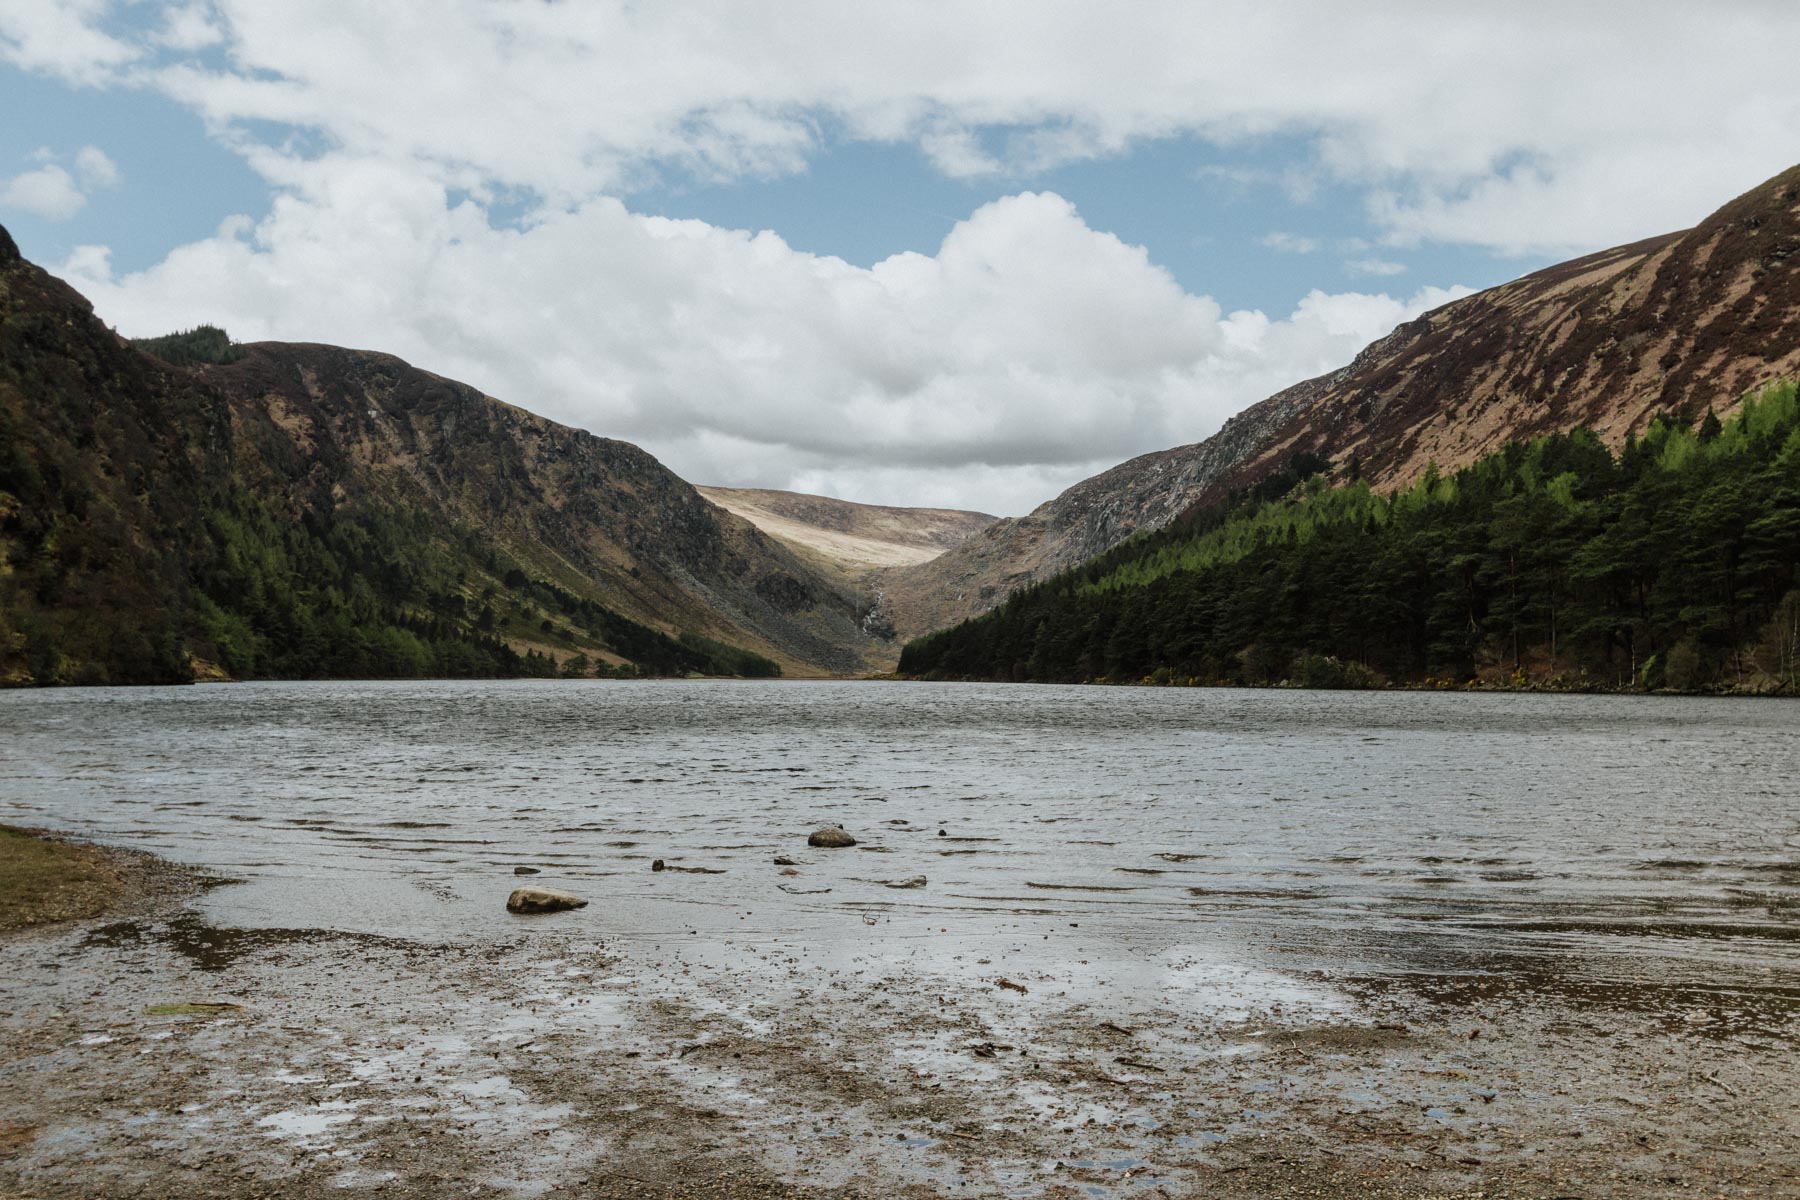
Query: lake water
[1375,832]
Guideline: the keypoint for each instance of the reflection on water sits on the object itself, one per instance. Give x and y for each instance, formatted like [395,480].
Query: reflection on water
[1368,832]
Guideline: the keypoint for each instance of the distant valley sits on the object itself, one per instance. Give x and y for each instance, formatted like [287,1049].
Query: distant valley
[848,537]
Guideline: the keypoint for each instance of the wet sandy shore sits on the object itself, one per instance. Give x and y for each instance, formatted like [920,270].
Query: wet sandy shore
[559,1061]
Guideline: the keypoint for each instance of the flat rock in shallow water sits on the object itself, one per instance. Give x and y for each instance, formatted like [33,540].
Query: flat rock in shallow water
[542,900]
[832,837]
[917,881]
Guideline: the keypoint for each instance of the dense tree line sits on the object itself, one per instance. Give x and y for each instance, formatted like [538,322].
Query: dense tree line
[201,344]
[652,651]
[340,595]
[1669,565]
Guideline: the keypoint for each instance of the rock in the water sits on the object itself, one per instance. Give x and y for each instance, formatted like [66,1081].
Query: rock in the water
[832,837]
[659,865]
[525,870]
[917,881]
[542,900]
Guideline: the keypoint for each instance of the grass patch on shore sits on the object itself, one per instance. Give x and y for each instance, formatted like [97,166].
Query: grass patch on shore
[43,879]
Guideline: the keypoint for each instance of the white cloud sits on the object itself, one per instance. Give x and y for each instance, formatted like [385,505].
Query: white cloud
[62,38]
[1289,243]
[1026,350]
[189,27]
[1298,182]
[1374,266]
[88,262]
[95,169]
[1524,126]
[48,192]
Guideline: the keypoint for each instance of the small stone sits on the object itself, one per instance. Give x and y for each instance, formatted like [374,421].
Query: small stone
[525,870]
[831,837]
[917,881]
[542,900]
[659,865]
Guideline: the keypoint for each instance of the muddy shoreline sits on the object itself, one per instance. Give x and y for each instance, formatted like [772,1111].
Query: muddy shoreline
[148,1053]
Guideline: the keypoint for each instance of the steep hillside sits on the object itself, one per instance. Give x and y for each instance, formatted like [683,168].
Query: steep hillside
[591,514]
[307,510]
[1672,324]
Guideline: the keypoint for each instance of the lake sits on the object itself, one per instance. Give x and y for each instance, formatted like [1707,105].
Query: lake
[1401,829]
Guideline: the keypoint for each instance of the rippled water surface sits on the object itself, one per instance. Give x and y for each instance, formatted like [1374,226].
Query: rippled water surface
[1399,832]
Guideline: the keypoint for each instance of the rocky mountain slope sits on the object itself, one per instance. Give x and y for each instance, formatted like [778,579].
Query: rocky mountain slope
[323,509]
[1675,323]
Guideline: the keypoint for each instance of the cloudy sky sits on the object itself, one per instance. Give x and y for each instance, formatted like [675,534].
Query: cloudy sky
[921,253]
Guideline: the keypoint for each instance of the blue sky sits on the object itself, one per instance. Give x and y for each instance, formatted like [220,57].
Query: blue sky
[177,183]
[1202,212]
[1009,245]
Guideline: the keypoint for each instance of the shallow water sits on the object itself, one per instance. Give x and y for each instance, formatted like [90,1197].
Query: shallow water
[1225,841]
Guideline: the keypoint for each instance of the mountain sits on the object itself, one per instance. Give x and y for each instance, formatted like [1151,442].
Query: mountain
[1671,565]
[849,536]
[597,516]
[1671,324]
[854,543]
[293,510]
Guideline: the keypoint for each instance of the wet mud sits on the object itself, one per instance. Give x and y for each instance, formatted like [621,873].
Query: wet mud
[161,1056]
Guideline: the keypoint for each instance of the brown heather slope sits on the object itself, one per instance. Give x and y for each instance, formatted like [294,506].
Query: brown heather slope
[1675,323]
[597,516]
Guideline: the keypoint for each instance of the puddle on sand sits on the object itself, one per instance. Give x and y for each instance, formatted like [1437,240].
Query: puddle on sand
[209,947]
[309,1126]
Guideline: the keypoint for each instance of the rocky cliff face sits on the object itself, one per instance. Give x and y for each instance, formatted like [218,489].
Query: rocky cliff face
[1676,323]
